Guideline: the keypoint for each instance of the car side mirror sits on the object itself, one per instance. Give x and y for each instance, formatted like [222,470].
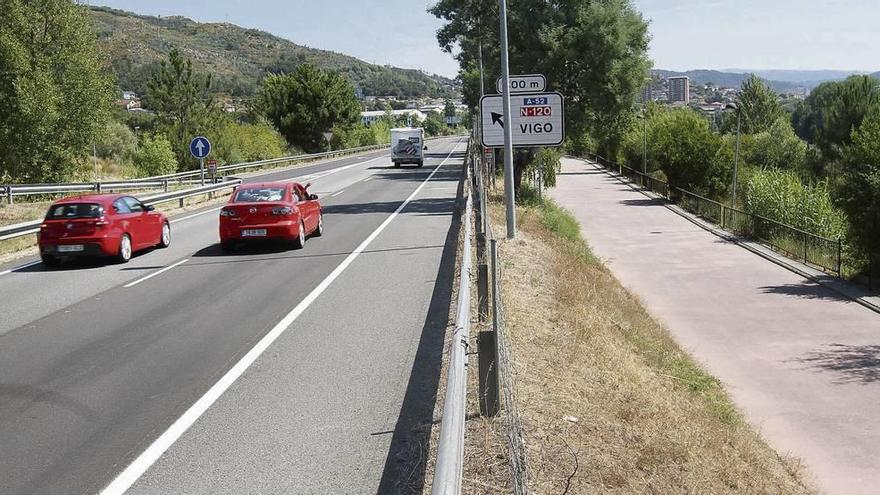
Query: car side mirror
[149,208]
[426,148]
[313,197]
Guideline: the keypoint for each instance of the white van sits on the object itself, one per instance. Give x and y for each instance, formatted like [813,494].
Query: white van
[408,146]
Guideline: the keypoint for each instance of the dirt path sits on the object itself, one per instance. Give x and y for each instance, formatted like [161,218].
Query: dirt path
[800,361]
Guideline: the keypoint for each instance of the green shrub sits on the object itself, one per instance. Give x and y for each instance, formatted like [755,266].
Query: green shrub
[779,147]
[155,156]
[117,142]
[780,195]
[238,143]
[690,155]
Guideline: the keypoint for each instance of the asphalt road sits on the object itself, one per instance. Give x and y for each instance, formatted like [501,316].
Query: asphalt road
[801,362]
[310,371]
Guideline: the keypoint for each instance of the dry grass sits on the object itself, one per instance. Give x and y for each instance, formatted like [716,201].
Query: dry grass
[609,402]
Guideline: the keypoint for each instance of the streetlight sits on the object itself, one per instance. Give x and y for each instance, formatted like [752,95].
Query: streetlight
[645,144]
[735,108]
[645,118]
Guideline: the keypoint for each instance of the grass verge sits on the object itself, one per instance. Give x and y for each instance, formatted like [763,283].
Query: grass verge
[609,402]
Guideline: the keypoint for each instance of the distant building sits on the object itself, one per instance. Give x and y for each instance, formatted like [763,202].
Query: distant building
[373,115]
[679,90]
[129,95]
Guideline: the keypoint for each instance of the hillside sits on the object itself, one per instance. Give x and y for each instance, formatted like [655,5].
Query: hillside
[238,57]
[728,79]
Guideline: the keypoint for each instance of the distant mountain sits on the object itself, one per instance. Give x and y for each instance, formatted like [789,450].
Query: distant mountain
[238,57]
[782,81]
[799,76]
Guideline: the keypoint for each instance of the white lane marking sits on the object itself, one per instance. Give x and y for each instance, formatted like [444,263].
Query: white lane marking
[21,267]
[196,214]
[337,193]
[321,175]
[139,466]
[148,277]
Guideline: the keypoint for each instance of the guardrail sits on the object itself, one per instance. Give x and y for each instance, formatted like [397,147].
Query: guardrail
[450,448]
[32,227]
[812,249]
[9,191]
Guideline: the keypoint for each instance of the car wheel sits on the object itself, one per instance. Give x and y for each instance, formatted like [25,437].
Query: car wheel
[421,163]
[300,240]
[319,230]
[165,240]
[124,254]
[227,246]
[396,165]
[50,261]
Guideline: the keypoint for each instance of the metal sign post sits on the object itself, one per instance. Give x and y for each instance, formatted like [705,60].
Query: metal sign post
[509,193]
[200,148]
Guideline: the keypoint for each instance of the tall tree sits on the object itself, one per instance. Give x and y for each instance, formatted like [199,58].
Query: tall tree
[183,103]
[834,110]
[759,106]
[305,104]
[55,94]
[858,191]
[594,52]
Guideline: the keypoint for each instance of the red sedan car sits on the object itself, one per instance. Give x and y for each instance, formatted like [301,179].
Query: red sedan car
[271,210]
[100,225]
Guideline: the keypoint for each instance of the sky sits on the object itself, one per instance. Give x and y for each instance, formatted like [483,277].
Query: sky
[686,34]
[764,34]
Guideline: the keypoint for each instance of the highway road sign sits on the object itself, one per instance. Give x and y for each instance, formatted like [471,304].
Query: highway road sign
[200,147]
[212,167]
[538,120]
[528,83]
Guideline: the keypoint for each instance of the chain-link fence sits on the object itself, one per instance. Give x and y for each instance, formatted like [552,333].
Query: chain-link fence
[497,387]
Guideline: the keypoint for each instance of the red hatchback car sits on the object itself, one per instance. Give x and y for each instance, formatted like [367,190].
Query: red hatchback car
[271,210]
[100,225]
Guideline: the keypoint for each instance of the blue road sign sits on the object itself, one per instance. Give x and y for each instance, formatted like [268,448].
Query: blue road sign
[200,147]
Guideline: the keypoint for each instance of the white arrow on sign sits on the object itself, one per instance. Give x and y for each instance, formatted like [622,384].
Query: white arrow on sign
[200,145]
[528,83]
[538,120]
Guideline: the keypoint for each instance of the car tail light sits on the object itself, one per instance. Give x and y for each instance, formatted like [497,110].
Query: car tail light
[282,211]
[225,212]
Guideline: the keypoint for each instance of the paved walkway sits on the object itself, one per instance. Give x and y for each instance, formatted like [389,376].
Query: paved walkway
[801,361]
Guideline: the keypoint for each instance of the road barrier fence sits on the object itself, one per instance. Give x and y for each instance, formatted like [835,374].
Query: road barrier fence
[450,448]
[497,393]
[32,227]
[10,191]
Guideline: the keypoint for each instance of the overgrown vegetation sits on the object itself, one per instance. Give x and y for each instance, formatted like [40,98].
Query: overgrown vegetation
[817,169]
[608,401]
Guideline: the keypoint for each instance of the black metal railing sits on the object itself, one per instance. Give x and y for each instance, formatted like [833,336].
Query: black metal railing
[813,250]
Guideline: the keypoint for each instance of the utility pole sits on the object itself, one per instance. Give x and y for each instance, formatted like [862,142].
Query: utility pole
[480,52]
[509,194]
[95,156]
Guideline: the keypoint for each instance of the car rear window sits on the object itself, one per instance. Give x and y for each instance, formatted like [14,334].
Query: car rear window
[257,194]
[75,210]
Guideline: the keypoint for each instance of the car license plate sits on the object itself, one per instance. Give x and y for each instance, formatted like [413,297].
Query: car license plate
[253,233]
[71,248]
